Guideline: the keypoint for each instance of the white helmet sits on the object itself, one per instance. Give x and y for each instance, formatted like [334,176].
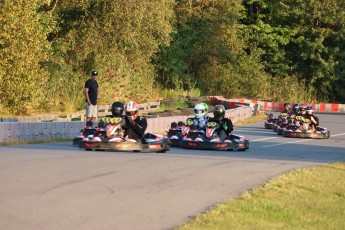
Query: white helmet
[200,111]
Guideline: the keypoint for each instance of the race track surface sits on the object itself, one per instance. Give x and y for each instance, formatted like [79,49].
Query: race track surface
[57,186]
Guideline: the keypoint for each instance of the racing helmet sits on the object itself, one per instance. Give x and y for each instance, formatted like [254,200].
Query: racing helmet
[132,110]
[287,107]
[219,112]
[206,106]
[303,108]
[199,111]
[295,108]
[310,111]
[117,109]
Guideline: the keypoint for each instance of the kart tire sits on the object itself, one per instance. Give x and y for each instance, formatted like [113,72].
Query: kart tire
[162,151]
[88,149]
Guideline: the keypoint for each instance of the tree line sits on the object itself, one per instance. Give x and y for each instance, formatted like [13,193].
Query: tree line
[287,50]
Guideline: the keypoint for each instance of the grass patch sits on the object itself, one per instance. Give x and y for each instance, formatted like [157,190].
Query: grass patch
[312,198]
[251,120]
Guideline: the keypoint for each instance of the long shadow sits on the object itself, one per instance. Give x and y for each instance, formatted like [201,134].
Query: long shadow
[296,152]
[322,151]
[285,152]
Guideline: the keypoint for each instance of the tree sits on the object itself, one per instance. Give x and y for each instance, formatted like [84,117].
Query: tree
[302,38]
[208,50]
[23,46]
[118,38]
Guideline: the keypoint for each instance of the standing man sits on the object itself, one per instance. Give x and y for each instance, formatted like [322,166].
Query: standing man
[91,95]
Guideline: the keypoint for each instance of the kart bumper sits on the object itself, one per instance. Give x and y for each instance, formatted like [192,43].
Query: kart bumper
[304,134]
[149,146]
[232,145]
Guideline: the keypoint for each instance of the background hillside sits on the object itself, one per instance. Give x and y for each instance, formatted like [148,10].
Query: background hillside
[146,49]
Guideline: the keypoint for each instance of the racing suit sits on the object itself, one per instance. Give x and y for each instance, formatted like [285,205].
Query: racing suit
[313,121]
[135,129]
[199,123]
[225,127]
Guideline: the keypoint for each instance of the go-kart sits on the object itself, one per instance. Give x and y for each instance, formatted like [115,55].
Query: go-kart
[110,136]
[86,131]
[282,126]
[178,131]
[210,140]
[270,122]
[304,132]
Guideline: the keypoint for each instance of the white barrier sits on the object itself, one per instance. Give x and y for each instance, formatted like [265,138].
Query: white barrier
[14,131]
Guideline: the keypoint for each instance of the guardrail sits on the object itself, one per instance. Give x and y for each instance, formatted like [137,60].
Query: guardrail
[237,109]
[14,131]
[273,106]
[80,115]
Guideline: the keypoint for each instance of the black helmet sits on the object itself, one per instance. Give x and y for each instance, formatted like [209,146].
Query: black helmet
[219,112]
[287,106]
[295,108]
[117,109]
[94,73]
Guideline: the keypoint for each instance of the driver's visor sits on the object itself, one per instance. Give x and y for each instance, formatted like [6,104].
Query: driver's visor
[131,113]
[198,111]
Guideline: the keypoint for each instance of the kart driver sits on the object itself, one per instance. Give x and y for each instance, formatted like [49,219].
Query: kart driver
[225,124]
[108,122]
[199,119]
[270,118]
[287,110]
[116,109]
[135,125]
[314,120]
[302,119]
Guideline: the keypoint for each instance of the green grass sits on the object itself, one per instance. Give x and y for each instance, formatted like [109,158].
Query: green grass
[312,198]
[251,120]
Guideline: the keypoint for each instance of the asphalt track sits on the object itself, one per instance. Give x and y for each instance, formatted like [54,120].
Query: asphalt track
[57,186]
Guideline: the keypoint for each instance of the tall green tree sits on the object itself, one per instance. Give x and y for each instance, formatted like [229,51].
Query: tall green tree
[118,38]
[24,28]
[208,51]
[302,38]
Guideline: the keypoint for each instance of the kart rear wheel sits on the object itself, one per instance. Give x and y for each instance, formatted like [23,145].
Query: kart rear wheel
[88,149]
[162,151]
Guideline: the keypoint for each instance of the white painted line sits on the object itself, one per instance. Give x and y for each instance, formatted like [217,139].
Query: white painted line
[340,134]
[252,131]
[263,139]
[292,142]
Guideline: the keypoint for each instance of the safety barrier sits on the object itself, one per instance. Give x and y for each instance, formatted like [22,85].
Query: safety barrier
[273,106]
[15,131]
[102,111]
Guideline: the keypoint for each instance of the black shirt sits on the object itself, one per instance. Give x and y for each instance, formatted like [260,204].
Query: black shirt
[92,85]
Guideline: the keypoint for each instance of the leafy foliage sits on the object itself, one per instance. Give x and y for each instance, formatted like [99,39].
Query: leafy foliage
[301,38]
[23,45]
[235,48]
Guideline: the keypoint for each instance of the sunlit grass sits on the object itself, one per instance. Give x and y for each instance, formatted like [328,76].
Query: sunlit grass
[312,198]
[251,120]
